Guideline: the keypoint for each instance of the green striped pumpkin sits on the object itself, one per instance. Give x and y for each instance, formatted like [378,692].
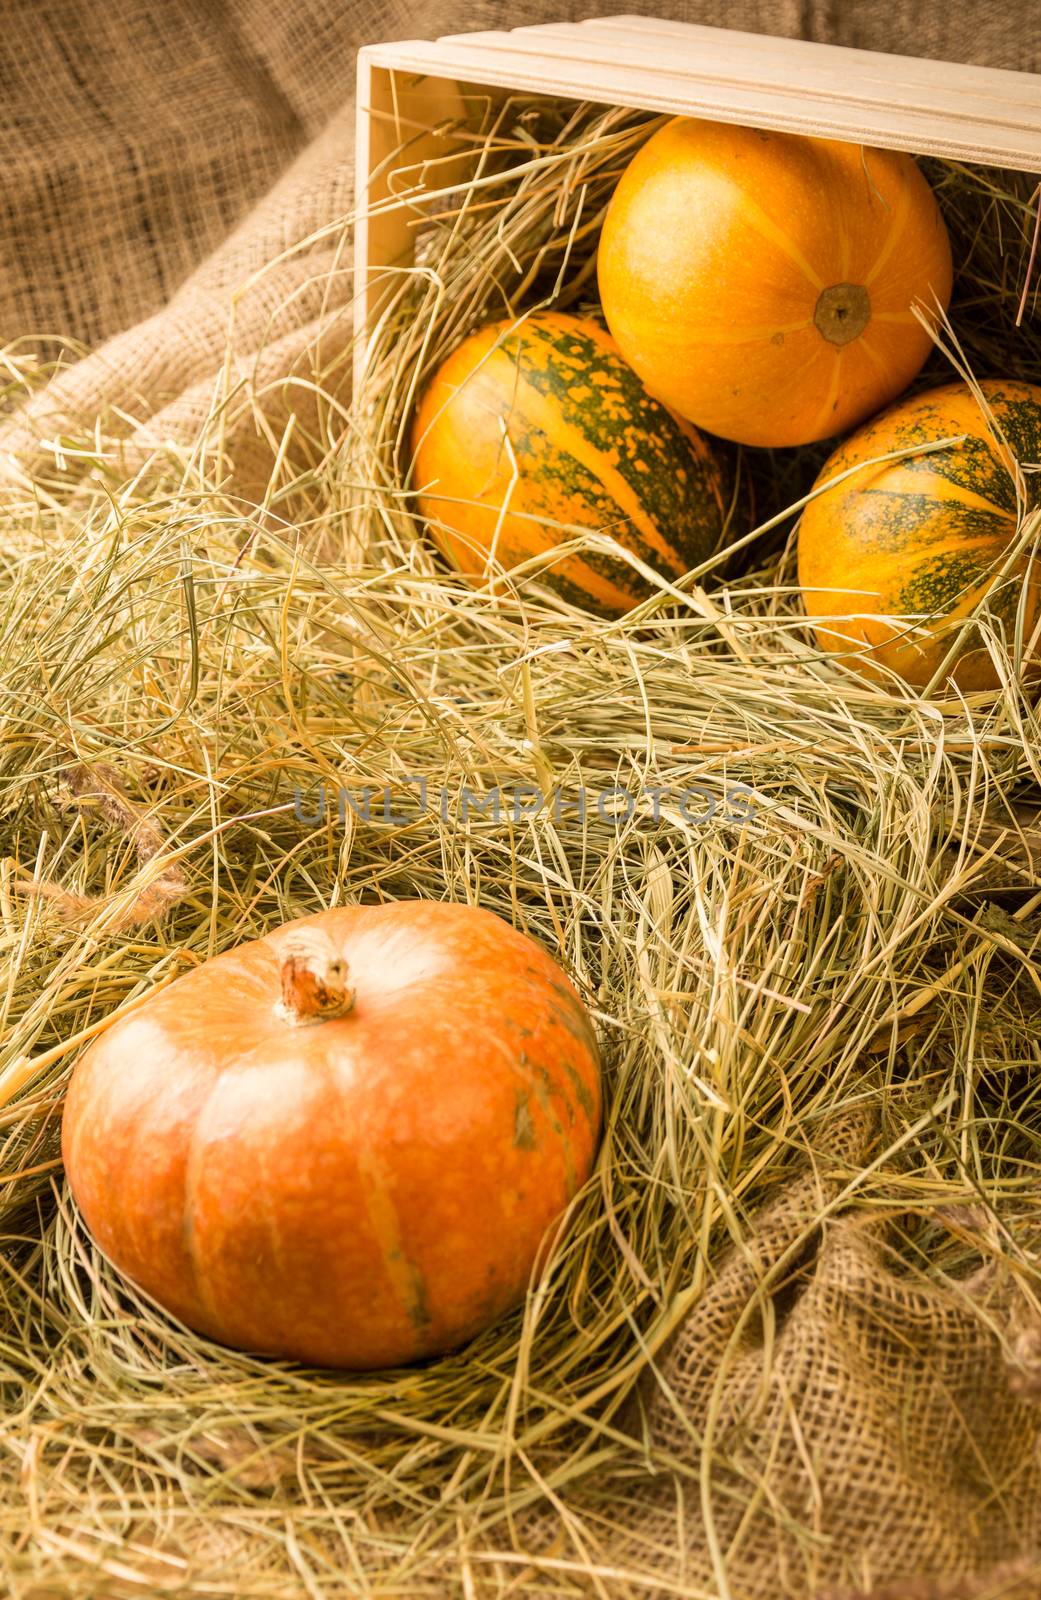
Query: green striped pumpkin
[895,557]
[532,430]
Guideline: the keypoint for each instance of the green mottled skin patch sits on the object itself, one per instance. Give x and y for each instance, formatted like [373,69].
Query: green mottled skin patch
[571,1015]
[892,517]
[574,1020]
[940,583]
[890,521]
[545,1089]
[524,1123]
[676,478]
[582,1094]
[976,463]
[418,1311]
[923,538]
[560,474]
[574,593]
[971,465]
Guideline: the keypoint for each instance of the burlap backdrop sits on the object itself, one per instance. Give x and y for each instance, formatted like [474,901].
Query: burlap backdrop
[869,1422]
[155,155]
[153,158]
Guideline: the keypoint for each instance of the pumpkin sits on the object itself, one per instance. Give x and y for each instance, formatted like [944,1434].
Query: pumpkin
[893,558]
[344,1142]
[532,430]
[761,284]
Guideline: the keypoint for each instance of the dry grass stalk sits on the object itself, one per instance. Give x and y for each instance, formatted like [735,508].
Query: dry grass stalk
[98,788]
[751,977]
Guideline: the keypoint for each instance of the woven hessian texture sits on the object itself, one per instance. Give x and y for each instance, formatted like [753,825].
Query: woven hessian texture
[867,1425]
[155,156]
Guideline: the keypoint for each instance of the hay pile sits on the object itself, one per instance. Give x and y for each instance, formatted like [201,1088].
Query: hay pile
[183,665]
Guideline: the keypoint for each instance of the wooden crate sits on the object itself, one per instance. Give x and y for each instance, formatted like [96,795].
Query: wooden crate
[417,90]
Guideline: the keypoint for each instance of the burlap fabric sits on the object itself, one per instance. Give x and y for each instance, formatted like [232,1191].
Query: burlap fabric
[868,1422]
[175,181]
[157,159]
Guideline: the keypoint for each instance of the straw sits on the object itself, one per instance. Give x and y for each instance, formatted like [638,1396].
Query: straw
[827,937]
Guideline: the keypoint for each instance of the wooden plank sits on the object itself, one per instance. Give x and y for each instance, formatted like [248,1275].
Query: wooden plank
[910,70]
[747,95]
[394,108]
[869,76]
[826,84]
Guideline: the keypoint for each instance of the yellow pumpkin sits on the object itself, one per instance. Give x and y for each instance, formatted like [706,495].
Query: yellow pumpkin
[531,431]
[761,284]
[895,556]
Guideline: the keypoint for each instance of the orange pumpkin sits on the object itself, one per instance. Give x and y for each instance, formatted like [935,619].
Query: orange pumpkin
[897,554]
[532,430]
[345,1142]
[761,284]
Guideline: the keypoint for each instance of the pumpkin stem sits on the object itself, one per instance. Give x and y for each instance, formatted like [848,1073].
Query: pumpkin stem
[314,978]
